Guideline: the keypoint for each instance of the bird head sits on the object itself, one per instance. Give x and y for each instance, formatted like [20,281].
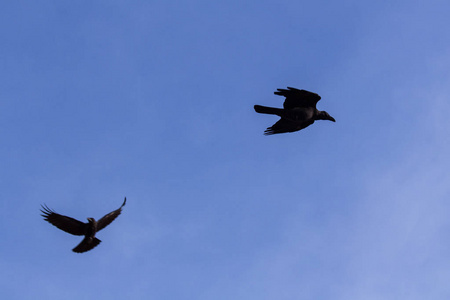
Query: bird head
[323,115]
[91,220]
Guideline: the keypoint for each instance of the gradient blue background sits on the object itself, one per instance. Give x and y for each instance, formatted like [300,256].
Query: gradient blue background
[153,100]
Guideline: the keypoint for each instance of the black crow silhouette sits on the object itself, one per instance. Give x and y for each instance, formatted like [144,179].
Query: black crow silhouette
[298,112]
[76,227]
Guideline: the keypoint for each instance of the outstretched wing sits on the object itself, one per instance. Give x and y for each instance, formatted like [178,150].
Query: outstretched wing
[106,220]
[298,98]
[65,223]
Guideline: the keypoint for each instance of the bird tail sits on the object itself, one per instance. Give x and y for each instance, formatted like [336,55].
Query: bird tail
[268,110]
[86,244]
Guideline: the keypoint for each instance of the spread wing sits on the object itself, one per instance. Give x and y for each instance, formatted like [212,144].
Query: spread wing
[106,220]
[64,223]
[284,125]
[298,98]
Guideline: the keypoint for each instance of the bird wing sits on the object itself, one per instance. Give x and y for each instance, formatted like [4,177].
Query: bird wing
[64,223]
[107,219]
[298,98]
[284,125]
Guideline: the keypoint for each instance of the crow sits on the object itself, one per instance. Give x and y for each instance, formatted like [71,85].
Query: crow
[76,227]
[298,112]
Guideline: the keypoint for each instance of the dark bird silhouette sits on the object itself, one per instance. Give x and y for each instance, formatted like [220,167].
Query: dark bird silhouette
[298,112]
[76,227]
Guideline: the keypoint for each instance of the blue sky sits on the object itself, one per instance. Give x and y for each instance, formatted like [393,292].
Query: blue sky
[153,100]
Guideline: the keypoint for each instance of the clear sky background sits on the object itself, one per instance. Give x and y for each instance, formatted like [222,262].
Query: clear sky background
[153,100]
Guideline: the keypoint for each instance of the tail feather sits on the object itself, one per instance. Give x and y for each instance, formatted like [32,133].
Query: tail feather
[268,110]
[86,244]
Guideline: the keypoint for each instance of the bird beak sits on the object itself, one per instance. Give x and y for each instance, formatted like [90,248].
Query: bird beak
[332,119]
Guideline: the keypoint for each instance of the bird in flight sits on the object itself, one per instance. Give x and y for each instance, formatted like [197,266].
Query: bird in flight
[76,227]
[298,112]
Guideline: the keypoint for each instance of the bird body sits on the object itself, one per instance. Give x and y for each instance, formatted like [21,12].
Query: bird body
[298,112]
[90,241]
[76,227]
[91,227]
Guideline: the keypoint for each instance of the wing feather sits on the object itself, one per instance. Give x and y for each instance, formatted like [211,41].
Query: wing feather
[67,224]
[107,219]
[284,125]
[298,98]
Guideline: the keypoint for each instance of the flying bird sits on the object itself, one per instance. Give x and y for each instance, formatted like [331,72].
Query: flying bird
[76,227]
[298,112]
